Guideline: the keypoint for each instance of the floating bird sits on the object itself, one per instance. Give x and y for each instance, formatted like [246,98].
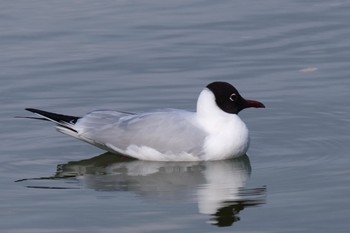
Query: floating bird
[213,132]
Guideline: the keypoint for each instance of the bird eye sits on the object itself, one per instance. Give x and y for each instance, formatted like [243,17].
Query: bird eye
[233,97]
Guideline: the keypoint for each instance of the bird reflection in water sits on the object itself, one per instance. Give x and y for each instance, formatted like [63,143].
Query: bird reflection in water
[218,186]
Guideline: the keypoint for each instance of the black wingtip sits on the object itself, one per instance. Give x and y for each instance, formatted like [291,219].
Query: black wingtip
[54,116]
[33,110]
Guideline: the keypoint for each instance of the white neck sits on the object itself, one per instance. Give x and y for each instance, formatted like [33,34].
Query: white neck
[208,113]
[227,133]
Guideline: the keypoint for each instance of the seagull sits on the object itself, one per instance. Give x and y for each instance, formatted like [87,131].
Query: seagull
[213,132]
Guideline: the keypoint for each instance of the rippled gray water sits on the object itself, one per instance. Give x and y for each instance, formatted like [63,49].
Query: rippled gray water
[77,56]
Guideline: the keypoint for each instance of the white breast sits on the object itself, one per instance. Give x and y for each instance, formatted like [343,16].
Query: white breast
[228,136]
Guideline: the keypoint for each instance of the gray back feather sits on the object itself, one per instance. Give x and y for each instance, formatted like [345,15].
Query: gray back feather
[166,131]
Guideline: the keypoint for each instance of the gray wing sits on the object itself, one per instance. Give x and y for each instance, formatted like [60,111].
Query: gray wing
[168,132]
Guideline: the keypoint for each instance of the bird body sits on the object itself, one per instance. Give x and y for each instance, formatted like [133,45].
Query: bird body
[213,132]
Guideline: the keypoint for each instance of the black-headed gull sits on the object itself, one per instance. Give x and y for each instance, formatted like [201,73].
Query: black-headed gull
[213,132]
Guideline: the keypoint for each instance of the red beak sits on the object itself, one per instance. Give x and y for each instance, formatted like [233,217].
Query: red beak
[253,104]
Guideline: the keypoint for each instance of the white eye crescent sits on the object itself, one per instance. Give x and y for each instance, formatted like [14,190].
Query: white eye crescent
[233,97]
